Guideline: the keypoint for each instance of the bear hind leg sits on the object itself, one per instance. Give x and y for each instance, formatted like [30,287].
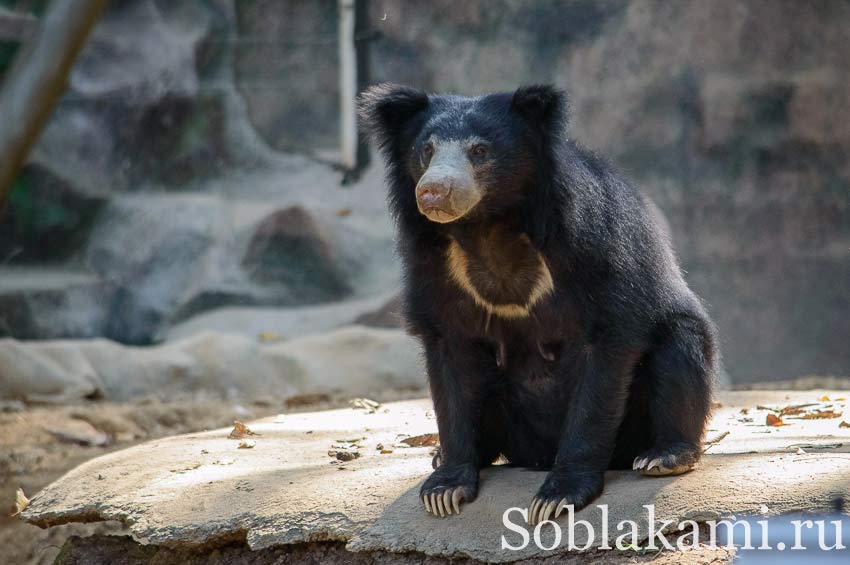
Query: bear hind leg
[679,371]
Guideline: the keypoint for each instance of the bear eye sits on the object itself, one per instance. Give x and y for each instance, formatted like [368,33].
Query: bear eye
[428,151]
[478,151]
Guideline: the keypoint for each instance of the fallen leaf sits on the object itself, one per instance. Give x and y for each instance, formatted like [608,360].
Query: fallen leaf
[824,398]
[371,406]
[343,212]
[840,399]
[247,444]
[240,431]
[424,440]
[774,420]
[299,400]
[821,415]
[21,502]
[844,424]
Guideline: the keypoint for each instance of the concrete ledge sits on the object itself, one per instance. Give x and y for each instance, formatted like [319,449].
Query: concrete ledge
[197,489]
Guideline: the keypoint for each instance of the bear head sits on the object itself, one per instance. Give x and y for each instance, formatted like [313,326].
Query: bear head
[460,159]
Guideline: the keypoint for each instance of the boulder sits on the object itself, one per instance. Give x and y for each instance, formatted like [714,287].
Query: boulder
[278,323]
[153,249]
[47,372]
[49,303]
[47,219]
[288,248]
[353,360]
[389,315]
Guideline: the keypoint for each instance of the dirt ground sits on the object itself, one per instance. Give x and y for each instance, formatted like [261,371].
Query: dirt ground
[39,444]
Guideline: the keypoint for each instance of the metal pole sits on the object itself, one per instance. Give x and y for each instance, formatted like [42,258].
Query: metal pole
[347,85]
[38,78]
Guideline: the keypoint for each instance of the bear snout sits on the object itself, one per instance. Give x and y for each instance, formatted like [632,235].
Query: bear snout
[445,199]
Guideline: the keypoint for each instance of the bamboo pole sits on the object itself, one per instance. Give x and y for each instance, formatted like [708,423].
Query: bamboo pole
[347,85]
[38,78]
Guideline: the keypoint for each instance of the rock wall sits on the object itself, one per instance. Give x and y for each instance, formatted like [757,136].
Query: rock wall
[733,115]
[156,192]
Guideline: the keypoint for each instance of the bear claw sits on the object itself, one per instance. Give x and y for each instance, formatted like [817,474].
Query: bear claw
[444,503]
[664,463]
[542,510]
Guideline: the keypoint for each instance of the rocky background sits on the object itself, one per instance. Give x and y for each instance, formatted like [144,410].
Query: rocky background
[185,181]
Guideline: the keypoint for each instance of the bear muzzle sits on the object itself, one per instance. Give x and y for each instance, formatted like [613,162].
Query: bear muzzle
[447,190]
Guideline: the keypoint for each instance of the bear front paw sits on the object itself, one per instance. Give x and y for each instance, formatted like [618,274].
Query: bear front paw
[561,489]
[448,487]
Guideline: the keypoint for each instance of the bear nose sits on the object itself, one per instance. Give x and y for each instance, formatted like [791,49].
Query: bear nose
[432,194]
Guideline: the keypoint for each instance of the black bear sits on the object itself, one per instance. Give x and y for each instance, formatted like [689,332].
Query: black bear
[558,330]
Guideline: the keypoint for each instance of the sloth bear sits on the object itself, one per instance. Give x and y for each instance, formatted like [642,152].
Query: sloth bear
[558,331]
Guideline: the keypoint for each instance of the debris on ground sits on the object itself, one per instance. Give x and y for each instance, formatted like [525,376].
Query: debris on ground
[371,406]
[716,439]
[21,502]
[774,420]
[424,440]
[821,415]
[186,469]
[247,444]
[240,431]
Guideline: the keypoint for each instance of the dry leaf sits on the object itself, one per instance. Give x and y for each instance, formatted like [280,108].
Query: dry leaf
[840,399]
[824,398]
[425,440]
[343,212]
[371,406]
[844,425]
[774,420]
[247,444]
[21,502]
[240,431]
[821,415]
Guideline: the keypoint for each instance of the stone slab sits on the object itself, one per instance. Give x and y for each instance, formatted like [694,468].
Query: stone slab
[198,488]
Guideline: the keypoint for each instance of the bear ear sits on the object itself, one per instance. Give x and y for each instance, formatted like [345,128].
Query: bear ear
[385,108]
[542,105]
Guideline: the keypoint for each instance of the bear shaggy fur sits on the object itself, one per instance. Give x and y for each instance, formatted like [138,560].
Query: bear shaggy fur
[558,331]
